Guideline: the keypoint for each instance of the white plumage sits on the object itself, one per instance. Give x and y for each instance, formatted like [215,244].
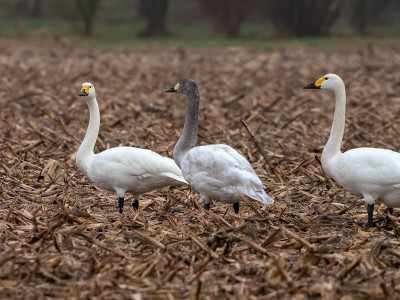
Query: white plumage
[220,172]
[216,171]
[129,169]
[122,169]
[371,173]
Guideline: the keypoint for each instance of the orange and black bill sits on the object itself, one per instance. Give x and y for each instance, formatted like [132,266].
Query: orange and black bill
[85,91]
[315,85]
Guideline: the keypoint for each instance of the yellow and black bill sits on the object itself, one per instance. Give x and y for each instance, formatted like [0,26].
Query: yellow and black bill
[84,91]
[173,89]
[315,85]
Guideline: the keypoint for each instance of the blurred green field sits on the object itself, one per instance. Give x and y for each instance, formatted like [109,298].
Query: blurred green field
[124,32]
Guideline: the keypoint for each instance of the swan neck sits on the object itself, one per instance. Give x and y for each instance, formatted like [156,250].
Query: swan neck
[86,149]
[188,137]
[334,143]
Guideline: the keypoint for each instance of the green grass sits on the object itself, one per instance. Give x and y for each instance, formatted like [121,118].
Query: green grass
[125,33]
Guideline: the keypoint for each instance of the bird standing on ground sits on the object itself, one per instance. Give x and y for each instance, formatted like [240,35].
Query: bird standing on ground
[215,171]
[368,172]
[122,169]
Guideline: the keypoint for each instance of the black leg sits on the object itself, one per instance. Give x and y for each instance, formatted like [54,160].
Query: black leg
[236,207]
[370,210]
[135,204]
[390,212]
[121,204]
[207,206]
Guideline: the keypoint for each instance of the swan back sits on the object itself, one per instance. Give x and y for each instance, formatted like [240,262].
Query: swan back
[139,161]
[220,172]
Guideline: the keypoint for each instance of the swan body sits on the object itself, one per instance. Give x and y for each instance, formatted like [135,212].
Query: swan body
[216,171]
[220,172]
[371,173]
[129,169]
[368,172]
[122,169]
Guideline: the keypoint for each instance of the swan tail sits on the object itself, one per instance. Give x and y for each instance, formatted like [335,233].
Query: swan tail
[175,177]
[261,196]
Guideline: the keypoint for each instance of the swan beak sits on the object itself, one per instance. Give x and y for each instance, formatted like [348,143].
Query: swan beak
[316,85]
[85,91]
[312,86]
[173,89]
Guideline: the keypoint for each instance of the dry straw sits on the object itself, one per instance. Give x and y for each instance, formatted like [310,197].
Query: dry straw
[62,237]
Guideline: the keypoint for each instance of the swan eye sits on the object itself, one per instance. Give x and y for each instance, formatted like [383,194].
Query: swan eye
[326,78]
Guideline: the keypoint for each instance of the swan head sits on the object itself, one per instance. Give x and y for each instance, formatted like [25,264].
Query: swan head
[185,86]
[88,90]
[328,82]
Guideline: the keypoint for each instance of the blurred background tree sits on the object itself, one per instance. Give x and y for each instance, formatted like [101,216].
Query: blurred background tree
[227,15]
[303,17]
[37,9]
[155,11]
[88,10]
[365,13]
[125,20]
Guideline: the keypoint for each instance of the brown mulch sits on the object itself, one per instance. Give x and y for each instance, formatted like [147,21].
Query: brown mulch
[62,237]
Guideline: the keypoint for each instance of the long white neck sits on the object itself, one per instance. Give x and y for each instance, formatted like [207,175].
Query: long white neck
[332,147]
[85,151]
[188,137]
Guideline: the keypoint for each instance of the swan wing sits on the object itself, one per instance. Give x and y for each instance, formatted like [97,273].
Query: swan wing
[369,168]
[174,176]
[216,167]
[140,162]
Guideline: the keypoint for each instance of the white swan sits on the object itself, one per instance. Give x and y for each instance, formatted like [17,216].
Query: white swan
[122,169]
[368,172]
[215,171]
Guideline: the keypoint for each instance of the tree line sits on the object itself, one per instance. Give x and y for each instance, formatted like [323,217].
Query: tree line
[288,17]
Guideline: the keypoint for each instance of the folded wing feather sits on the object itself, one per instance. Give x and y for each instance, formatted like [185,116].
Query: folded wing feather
[142,162]
[220,166]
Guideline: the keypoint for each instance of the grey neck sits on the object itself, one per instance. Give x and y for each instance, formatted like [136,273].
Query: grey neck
[188,137]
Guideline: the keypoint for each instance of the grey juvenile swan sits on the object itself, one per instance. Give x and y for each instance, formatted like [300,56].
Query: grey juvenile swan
[216,171]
